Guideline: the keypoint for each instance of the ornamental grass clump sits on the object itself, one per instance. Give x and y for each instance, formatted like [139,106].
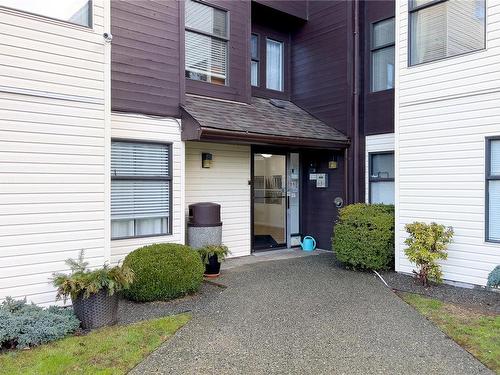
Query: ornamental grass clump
[427,244]
[25,325]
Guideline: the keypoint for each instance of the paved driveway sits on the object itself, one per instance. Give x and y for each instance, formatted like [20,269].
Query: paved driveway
[304,316]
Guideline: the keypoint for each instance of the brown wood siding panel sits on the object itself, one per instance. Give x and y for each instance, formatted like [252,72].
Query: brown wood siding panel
[295,8]
[320,82]
[238,87]
[145,57]
[378,107]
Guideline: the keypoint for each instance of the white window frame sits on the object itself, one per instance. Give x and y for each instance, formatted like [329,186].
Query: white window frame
[489,177]
[149,178]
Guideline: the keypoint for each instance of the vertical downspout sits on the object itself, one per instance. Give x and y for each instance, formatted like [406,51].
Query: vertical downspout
[355,106]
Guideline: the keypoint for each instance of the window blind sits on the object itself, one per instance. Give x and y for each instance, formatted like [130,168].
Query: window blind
[206,57]
[206,19]
[274,65]
[140,189]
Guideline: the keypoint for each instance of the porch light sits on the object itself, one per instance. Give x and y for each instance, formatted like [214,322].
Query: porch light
[206,160]
[332,164]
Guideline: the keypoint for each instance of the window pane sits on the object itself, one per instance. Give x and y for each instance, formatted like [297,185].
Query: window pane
[254,46]
[254,73]
[205,18]
[122,228]
[495,157]
[428,34]
[74,11]
[145,227]
[382,192]
[206,58]
[274,65]
[438,31]
[494,210]
[383,69]
[382,165]
[383,33]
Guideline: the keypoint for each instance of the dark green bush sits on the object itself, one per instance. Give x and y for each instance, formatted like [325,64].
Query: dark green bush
[25,325]
[364,236]
[163,271]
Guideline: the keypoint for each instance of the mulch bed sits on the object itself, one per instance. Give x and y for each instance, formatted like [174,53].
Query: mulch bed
[475,298]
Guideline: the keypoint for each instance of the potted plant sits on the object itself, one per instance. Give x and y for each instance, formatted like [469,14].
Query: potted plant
[212,256]
[93,292]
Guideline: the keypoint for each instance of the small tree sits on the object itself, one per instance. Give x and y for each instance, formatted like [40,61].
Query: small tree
[427,244]
[494,278]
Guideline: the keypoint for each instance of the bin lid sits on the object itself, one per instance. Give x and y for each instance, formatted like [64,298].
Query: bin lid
[204,214]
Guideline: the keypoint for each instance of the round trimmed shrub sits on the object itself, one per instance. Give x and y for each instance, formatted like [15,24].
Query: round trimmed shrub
[364,236]
[163,271]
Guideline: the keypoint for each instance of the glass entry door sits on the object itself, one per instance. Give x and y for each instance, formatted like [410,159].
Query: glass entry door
[269,201]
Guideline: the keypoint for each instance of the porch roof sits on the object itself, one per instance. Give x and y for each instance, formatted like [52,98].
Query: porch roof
[263,121]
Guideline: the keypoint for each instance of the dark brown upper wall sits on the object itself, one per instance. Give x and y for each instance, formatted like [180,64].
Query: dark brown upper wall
[378,107]
[145,58]
[238,87]
[297,8]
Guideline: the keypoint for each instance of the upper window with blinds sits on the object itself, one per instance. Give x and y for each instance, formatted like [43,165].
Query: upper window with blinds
[206,43]
[140,189]
[445,28]
[493,189]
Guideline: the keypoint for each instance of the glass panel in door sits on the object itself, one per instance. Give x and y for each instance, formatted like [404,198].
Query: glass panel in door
[269,206]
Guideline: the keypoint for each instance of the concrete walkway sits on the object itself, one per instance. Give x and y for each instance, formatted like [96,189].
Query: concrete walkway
[304,316]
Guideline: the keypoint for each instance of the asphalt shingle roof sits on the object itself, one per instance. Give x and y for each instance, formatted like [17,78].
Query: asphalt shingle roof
[260,117]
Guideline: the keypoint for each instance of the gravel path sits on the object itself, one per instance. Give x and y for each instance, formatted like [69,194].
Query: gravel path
[304,316]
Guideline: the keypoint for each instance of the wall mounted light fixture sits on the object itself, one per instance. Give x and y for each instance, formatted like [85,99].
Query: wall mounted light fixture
[206,160]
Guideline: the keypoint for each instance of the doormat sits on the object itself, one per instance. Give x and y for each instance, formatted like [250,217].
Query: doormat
[264,241]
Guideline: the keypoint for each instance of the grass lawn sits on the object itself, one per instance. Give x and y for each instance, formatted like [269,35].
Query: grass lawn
[110,350]
[477,332]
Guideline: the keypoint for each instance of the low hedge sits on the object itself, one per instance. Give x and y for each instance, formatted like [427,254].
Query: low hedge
[163,271]
[364,236]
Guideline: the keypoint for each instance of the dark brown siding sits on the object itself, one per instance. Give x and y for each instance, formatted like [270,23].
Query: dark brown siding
[318,210]
[238,87]
[320,79]
[295,8]
[145,58]
[378,107]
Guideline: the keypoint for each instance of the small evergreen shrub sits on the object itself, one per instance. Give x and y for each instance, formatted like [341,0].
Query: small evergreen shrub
[163,271]
[427,244]
[364,236]
[84,282]
[25,325]
[494,278]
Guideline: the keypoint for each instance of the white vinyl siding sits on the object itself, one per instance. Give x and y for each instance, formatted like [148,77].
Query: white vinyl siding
[375,144]
[52,149]
[225,183]
[444,112]
[140,128]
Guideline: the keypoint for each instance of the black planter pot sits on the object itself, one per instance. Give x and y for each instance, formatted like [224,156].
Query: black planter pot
[212,269]
[98,310]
